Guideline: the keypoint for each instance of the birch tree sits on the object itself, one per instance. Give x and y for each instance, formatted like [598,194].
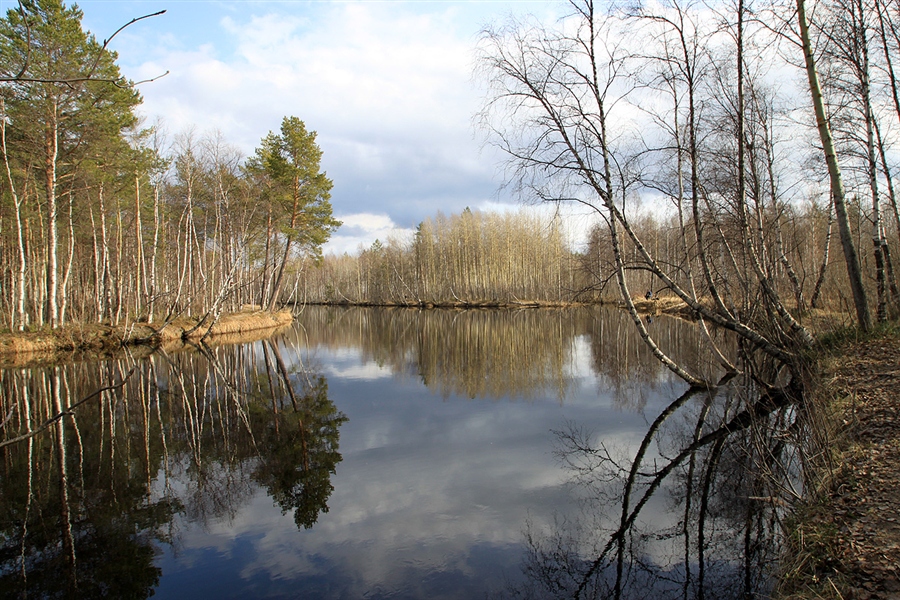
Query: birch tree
[60,114]
[560,106]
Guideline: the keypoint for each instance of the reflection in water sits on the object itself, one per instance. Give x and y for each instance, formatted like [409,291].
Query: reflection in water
[82,508]
[677,499]
[725,463]
[506,353]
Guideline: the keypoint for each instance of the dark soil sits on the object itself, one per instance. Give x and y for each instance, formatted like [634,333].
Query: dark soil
[849,541]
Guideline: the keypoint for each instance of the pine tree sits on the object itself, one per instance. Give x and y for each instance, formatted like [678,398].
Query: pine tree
[70,109]
[298,193]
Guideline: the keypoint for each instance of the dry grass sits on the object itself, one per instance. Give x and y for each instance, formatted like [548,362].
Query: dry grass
[845,543]
[236,328]
[667,305]
[49,347]
[230,324]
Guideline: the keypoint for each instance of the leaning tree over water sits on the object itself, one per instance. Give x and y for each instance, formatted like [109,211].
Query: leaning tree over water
[678,102]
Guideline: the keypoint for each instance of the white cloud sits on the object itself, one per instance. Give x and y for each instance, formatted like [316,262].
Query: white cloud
[387,86]
[367,72]
[362,229]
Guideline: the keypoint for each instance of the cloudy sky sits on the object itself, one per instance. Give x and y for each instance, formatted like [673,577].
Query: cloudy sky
[388,86]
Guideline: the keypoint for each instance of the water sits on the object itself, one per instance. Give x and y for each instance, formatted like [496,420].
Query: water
[392,453]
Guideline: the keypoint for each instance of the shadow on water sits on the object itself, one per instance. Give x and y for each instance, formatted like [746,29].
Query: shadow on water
[87,498]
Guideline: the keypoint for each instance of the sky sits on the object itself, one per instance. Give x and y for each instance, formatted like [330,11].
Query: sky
[388,86]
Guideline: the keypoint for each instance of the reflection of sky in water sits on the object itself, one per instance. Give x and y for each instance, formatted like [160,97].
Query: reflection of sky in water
[345,364]
[431,499]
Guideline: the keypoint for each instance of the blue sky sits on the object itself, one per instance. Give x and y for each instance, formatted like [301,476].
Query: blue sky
[388,86]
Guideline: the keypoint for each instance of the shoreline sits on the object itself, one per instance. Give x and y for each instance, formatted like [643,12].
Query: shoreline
[99,340]
[665,305]
[844,539]
[461,304]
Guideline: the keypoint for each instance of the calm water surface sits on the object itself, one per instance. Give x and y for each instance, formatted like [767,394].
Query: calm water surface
[375,453]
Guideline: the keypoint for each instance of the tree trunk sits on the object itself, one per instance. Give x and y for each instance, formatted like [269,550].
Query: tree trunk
[279,279]
[880,278]
[264,285]
[854,272]
[63,289]
[51,153]
[892,196]
[138,248]
[17,203]
[151,291]
[107,275]
[98,304]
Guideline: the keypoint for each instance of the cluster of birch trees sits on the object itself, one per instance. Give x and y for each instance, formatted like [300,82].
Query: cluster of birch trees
[730,115]
[485,258]
[471,257]
[103,219]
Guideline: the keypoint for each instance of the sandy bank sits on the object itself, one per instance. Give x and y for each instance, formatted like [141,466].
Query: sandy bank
[47,347]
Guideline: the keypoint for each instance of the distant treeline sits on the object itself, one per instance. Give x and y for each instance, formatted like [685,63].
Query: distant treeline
[484,258]
[472,257]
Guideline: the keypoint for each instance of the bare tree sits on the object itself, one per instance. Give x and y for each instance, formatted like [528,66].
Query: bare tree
[838,193]
[566,88]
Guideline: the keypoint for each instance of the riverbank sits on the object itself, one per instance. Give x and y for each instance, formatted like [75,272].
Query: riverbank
[845,542]
[459,304]
[95,339]
[667,305]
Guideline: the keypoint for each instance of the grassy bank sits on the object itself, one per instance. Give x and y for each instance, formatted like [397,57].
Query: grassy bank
[95,339]
[844,541]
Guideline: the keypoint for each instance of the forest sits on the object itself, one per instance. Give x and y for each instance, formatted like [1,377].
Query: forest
[106,219]
[739,159]
[749,121]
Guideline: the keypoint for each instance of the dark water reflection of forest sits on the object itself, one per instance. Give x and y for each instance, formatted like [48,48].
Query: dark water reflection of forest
[397,453]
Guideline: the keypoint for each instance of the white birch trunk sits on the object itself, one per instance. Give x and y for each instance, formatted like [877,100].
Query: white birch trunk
[51,154]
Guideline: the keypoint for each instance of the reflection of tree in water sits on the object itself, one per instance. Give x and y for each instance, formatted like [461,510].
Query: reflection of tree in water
[505,353]
[86,502]
[620,357]
[471,353]
[302,446]
[71,499]
[694,512]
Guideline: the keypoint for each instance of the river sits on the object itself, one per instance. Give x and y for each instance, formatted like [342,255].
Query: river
[397,453]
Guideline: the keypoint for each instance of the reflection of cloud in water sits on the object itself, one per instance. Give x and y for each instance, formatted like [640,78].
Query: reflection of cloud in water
[435,486]
[435,477]
[344,363]
[428,488]
[369,371]
[375,545]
